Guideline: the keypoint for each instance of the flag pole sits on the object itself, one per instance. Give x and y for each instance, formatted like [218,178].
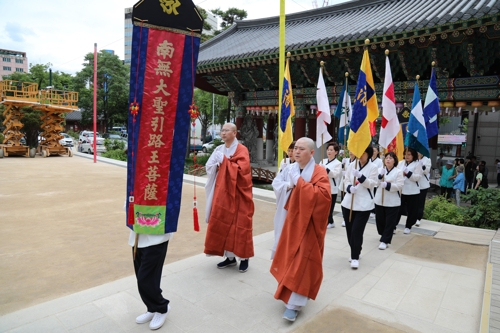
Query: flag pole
[352,195]
[345,115]
[281,76]
[322,64]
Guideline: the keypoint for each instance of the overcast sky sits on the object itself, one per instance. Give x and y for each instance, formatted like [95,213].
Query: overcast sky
[61,32]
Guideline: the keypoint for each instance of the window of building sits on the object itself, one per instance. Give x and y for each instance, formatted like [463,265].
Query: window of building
[7,68]
[19,61]
[6,59]
[19,70]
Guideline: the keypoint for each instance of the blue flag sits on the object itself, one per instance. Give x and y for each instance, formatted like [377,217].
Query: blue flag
[416,137]
[431,107]
[343,112]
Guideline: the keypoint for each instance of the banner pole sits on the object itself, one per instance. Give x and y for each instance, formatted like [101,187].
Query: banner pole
[281,78]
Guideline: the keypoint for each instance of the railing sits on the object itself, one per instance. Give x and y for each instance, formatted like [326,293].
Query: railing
[59,98]
[263,174]
[19,91]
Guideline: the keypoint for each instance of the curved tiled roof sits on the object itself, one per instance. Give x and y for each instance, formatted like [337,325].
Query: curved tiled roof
[352,20]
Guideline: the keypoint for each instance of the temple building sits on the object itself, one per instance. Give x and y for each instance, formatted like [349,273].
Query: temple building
[462,38]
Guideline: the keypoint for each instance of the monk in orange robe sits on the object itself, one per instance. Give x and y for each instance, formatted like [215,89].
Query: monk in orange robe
[300,229]
[230,205]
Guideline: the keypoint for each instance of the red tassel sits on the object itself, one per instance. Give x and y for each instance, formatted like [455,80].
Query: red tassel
[130,217]
[195,219]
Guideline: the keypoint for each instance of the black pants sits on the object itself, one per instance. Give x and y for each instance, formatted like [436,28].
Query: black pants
[469,183]
[374,211]
[355,228]
[386,219]
[332,206]
[498,179]
[446,191]
[148,265]
[421,203]
[409,207]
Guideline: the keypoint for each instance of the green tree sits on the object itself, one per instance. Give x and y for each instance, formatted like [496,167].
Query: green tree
[40,74]
[204,100]
[206,27]
[112,89]
[228,17]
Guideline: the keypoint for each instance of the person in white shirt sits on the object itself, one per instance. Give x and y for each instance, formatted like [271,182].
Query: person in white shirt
[412,173]
[360,178]
[345,163]
[379,164]
[148,264]
[290,159]
[425,163]
[334,170]
[388,199]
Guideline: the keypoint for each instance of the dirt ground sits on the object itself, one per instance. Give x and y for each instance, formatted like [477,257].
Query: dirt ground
[447,252]
[63,228]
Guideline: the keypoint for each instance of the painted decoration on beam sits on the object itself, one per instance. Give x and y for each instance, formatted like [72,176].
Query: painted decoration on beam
[165,44]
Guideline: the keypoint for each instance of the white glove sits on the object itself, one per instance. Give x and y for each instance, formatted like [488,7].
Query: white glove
[383,184]
[294,177]
[353,189]
[356,173]
[406,170]
[381,171]
[219,157]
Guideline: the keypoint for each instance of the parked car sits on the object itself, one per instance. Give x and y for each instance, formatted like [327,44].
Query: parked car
[86,146]
[112,136]
[67,140]
[87,134]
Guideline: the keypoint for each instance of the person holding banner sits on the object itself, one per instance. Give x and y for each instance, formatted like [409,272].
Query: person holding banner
[303,201]
[345,163]
[426,164]
[230,205]
[388,199]
[412,173]
[334,170]
[360,178]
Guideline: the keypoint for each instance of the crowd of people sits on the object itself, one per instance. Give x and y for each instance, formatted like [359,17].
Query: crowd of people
[306,193]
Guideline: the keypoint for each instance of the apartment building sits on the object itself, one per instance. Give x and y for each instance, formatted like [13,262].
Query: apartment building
[12,61]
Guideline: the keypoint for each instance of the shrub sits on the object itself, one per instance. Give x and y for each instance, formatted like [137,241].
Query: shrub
[116,154]
[484,211]
[114,144]
[73,134]
[441,210]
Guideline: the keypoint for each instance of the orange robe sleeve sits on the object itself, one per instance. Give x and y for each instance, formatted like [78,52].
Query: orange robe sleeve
[230,221]
[298,262]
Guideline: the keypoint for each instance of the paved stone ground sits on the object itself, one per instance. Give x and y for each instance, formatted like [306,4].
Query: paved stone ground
[65,266]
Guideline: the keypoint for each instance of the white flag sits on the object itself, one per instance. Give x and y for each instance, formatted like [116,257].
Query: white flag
[323,116]
[390,123]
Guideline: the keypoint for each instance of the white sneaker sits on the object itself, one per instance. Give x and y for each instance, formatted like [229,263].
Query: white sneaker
[158,319]
[354,264]
[331,225]
[417,223]
[144,318]
[372,215]
[382,246]
[350,260]
[407,231]
[343,223]
[394,231]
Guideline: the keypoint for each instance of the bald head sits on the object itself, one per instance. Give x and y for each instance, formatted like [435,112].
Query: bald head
[228,133]
[303,151]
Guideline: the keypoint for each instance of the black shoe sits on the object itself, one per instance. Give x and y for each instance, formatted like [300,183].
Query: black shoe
[243,265]
[226,263]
